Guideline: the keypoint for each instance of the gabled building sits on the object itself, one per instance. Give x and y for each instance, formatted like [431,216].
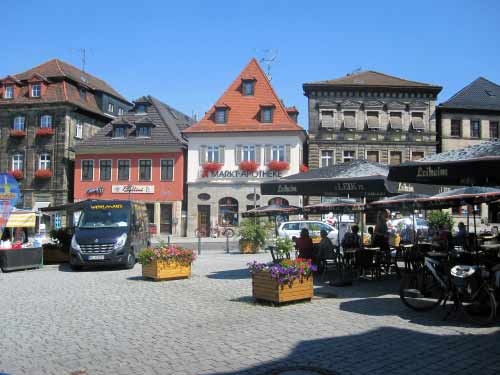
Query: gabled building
[44,112]
[246,137]
[469,117]
[138,156]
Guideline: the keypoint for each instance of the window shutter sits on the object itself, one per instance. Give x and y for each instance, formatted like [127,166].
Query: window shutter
[203,154]
[221,155]
[267,154]
[287,153]
[258,150]
[237,156]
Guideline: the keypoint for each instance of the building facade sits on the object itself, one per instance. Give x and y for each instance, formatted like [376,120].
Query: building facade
[44,113]
[138,156]
[469,117]
[247,137]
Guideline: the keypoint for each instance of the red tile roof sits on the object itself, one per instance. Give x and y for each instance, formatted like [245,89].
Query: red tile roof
[244,111]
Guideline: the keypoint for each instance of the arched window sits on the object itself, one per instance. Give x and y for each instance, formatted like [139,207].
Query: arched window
[278,201]
[228,211]
[46,121]
[18,162]
[18,123]
[44,161]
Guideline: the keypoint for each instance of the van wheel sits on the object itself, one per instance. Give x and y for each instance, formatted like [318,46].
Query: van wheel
[130,260]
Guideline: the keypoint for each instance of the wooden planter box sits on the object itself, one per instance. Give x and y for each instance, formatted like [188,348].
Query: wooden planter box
[249,247]
[264,287]
[161,270]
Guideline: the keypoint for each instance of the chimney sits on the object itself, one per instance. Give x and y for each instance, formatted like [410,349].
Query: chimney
[293,113]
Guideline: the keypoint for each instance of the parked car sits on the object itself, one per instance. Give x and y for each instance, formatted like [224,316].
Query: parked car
[422,225]
[291,229]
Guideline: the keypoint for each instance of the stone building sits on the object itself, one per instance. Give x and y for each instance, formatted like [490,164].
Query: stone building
[370,115]
[44,112]
[469,117]
[247,137]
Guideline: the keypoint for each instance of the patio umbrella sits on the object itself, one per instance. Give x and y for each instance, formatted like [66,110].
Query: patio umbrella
[473,165]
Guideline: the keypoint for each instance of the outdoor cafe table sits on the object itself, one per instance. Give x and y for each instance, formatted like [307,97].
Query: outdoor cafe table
[20,259]
[491,247]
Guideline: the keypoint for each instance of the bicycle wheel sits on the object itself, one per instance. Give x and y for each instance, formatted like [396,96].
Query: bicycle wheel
[420,290]
[229,233]
[479,306]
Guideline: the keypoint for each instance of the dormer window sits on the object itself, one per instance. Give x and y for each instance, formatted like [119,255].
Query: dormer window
[140,108]
[143,131]
[248,87]
[119,132]
[120,111]
[266,114]
[83,94]
[111,107]
[221,115]
[9,92]
[36,90]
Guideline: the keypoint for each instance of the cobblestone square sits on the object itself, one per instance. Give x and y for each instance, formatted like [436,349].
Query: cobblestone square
[54,321]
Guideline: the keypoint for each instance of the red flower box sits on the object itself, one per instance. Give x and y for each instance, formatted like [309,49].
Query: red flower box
[17,133]
[278,166]
[303,168]
[211,167]
[43,173]
[248,166]
[17,174]
[44,132]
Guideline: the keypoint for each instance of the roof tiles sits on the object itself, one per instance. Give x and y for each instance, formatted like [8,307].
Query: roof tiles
[480,94]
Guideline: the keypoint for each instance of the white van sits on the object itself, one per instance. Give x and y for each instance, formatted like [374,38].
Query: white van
[289,229]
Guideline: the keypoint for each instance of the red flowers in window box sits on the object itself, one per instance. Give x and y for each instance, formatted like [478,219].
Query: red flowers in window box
[17,133]
[210,167]
[248,166]
[17,174]
[278,166]
[44,132]
[43,173]
[303,168]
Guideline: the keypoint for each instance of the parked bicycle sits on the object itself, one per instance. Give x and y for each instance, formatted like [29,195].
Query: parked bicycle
[217,231]
[436,282]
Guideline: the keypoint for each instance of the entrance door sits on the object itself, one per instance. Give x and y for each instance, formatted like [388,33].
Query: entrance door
[166,218]
[204,219]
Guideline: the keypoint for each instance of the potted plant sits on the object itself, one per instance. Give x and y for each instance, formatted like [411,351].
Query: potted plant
[210,168]
[284,246]
[44,132]
[278,166]
[166,262]
[43,174]
[17,174]
[253,235]
[249,166]
[288,280]
[17,133]
[303,168]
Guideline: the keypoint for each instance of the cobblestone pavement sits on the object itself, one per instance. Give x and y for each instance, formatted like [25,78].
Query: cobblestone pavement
[53,321]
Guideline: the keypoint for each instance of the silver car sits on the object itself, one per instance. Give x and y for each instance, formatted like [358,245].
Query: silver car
[290,229]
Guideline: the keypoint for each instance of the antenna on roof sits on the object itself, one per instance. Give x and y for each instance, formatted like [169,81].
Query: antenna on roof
[357,70]
[84,58]
[269,58]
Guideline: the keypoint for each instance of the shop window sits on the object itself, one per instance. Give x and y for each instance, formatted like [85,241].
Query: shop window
[150,207]
[87,170]
[167,170]
[144,170]
[123,170]
[105,170]
[228,212]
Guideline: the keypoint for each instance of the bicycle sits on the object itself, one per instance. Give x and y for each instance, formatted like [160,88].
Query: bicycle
[217,231]
[200,232]
[436,283]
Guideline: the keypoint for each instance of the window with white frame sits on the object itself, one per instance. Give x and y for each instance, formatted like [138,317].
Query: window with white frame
[36,90]
[105,170]
[144,170]
[278,152]
[87,170]
[326,158]
[19,122]
[221,115]
[267,114]
[46,121]
[123,170]
[248,87]
[120,111]
[119,132]
[167,170]
[18,161]
[111,107]
[44,161]
[213,154]
[78,129]
[9,92]
[248,153]
[143,131]
[349,156]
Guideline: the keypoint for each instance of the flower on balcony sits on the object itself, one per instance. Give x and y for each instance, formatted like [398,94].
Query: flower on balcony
[43,173]
[303,168]
[17,174]
[210,168]
[278,166]
[249,166]
[44,132]
[17,133]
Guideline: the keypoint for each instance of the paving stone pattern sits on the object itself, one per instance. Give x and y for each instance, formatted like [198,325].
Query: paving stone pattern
[54,321]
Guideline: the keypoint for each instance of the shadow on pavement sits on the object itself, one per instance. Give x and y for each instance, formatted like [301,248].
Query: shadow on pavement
[239,274]
[67,268]
[388,350]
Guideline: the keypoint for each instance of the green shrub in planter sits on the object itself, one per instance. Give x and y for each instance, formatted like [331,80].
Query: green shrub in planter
[437,218]
[254,234]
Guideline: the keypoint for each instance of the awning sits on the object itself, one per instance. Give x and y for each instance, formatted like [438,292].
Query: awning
[372,120]
[350,120]
[39,205]
[396,121]
[21,219]
[417,121]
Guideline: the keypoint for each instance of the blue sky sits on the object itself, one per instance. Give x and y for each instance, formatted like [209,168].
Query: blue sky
[186,53]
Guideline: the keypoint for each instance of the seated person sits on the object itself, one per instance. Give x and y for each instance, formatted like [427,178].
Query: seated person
[370,233]
[352,240]
[461,237]
[325,246]
[304,244]
[442,237]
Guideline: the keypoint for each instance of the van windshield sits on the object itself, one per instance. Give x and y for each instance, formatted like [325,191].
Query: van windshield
[104,216]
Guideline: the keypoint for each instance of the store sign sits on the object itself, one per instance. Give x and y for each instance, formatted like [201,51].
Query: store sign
[133,189]
[243,174]
[405,188]
[95,190]
[432,172]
